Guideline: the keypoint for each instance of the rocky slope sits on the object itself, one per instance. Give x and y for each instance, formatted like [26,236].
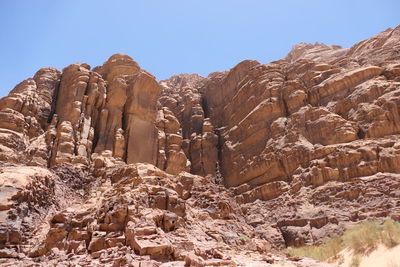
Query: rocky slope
[108,167]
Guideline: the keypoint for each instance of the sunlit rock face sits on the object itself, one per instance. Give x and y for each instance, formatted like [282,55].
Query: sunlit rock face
[312,117]
[111,166]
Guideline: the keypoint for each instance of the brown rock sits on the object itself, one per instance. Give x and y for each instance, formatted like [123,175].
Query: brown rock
[140,116]
[307,146]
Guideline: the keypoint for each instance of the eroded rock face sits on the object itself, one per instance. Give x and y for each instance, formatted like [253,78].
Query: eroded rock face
[280,119]
[170,154]
[25,113]
[65,117]
[113,109]
[180,95]
[323,115]
[106,166]
[22,189]
[28,196]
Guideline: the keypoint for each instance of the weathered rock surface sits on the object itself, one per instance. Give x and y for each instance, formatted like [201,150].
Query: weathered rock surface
[322,115]
[28,197]
[277,120]
[200,143]
[108,167]
[24,116]
[139,215]
[170,154]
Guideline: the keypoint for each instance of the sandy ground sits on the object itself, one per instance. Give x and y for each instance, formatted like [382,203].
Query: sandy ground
[381,257]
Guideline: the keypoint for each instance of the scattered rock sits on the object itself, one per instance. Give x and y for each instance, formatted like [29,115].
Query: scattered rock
[108,167]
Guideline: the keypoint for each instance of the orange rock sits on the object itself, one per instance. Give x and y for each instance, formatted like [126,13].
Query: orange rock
[215,170]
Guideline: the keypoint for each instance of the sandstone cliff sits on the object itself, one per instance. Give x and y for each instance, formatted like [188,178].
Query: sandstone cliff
[107,166]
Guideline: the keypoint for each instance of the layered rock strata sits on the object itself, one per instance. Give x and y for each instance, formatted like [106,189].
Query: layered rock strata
[107,166]
[295,117]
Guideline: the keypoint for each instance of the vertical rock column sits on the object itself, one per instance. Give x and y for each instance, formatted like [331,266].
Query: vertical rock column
[203,150]
[127,124]
[171,157]
[79,101]
[181,94]
[111,119]
[140,114]
[110,133]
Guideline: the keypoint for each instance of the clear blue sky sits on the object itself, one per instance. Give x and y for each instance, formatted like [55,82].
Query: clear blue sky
[168,37]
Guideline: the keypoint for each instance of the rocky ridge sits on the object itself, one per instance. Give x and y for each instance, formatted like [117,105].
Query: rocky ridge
[107,166]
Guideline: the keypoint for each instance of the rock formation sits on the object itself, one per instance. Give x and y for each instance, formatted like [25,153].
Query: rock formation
[108,167]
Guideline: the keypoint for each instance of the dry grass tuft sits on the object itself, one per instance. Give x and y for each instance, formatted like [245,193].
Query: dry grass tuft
[355,261]
[391,233]
[361,238]
[322,252]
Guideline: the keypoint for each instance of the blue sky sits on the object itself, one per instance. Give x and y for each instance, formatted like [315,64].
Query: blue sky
[168,37]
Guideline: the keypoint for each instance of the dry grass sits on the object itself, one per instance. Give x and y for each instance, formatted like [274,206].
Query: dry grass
[322,252]
[361,238]
[355,261]
[391,233]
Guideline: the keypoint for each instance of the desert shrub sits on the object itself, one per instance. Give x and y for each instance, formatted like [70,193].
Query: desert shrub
[322,252]
[355,261]
[314,252]
[244,238]
[335,245]
[361,238]
[391,233]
